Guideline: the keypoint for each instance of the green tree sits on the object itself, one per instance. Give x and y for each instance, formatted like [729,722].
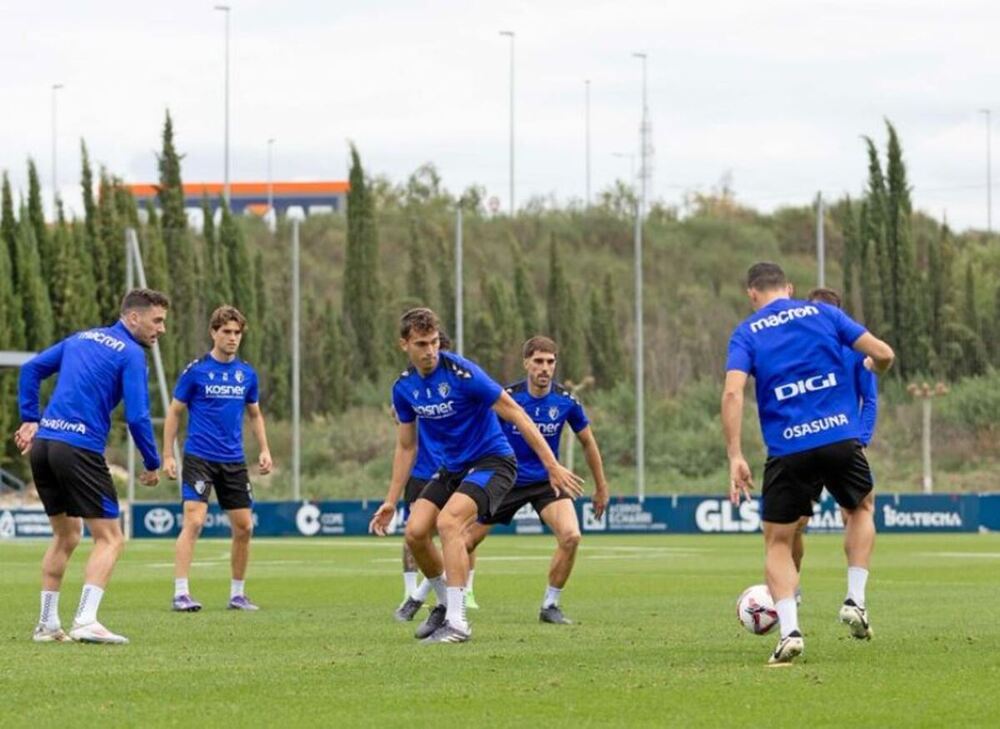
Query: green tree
[241,275]
[8,226]
[98,253]
[362,293]
[417,284]
[604,345]
[80,308]
[335,374]
[35,304]
[111,237]
[36,214]
[879,262]
[524,295]
[563,321]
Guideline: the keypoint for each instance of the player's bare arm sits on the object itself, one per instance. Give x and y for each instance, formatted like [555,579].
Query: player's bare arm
[562,479]
[740,479]
[402,464]
[592,454]
[170,426]
[879,354]
[256,416]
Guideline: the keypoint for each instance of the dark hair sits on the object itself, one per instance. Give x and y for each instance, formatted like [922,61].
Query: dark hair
[225,314]
[420,320]
[765,276]
[539,343]
[143,299]
[445,340]
[827,296]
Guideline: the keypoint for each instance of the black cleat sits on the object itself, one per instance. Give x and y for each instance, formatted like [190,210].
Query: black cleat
[405,612]
[434,621]
[553,614]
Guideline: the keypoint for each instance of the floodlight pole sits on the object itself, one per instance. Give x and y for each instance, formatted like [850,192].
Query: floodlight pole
[640,378]
[459,309]
[510,34]
[296,371]
[587,137]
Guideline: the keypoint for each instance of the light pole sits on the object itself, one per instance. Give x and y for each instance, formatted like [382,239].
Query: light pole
[270,176]
[989,172]
[586,85]
[510,34]
[640,379]
[926,393]
[643,141]
[55,178]
[225,179]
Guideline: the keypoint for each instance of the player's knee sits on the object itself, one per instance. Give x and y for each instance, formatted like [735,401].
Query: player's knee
[242,531]
[67,542]
[417,533]
[569,541]
[451,526]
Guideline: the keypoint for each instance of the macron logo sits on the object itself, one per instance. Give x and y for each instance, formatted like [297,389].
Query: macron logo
[783,317]
[95,335]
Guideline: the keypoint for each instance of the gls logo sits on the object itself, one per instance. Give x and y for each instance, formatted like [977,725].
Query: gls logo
[791,389]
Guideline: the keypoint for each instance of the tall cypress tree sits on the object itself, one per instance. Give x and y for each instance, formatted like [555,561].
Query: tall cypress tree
[35,304]
[241,274]
[80,308]
[97,252]
[11,323]
[604,345]
[875,237]
[60,274]
[111,237]
[417,284]
[525,296]
[362,295]
[563,319]
[335,370]
[36,214]
[969,311]
[8,226]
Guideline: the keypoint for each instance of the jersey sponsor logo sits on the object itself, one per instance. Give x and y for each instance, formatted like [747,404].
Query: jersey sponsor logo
[717,515]
[801,387]
[95,335]
[815,426]
[783,317]
[229,391]
[64,426]
[903,519]
[436,410]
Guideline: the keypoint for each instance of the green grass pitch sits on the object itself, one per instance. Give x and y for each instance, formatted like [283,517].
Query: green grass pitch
[656,644]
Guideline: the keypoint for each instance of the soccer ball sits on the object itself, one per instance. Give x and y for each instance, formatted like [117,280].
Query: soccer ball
[755,610]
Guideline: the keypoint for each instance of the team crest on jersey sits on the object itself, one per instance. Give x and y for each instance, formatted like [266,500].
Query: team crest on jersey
[553,412]
[211,375]
[443,389]
[239,376]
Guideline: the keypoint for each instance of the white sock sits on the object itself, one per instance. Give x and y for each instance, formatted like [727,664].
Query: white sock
[440,588]
[857,578]
[410,583]
[551,596]
[456,608]
[181,586]
[788,615]
[90,600]
[472,576]
[236,588]
[49,616]
[422,591]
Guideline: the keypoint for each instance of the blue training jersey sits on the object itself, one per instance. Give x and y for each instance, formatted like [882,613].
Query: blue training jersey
[806,396]
[216,394]
[866,390]
[98,368]
[428,454]
[549,414]
[455,407]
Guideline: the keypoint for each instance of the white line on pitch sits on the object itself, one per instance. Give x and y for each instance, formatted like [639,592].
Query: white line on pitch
[962,555]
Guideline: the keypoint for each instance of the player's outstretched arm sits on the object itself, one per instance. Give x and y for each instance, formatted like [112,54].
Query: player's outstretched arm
[171,424]
[402,464]
[256,416]
[740,479]
[595,463]
[880,355]
[33,372]
[562,479]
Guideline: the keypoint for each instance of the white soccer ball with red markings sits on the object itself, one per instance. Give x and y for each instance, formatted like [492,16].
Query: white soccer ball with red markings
[755,610]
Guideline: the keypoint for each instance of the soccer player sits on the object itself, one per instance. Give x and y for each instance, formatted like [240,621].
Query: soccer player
[459,405]
[216,390]
[809,417]
[97,369]
[550,406]
[866,387]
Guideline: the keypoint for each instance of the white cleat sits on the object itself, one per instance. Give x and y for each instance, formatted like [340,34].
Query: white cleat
[856,618]
[95,633]
[45,634]
[789,648]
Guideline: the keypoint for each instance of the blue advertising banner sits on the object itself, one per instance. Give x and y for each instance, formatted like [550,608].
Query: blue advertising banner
[989,512]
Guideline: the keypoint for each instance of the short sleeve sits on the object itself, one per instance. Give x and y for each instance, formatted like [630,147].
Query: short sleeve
[404,410]
[740,355]
[848,330]
[185,388]
[576,417]
[253,389]
[481,386]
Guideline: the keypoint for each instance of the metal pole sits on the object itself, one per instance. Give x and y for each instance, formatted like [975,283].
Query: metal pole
[989,172]
[926,446]
[640,405]
[55,177]
[587,134]
[820,243]
[510,34]
[459,310]
[225,179]
[643,142]
[296,373]
[129,285]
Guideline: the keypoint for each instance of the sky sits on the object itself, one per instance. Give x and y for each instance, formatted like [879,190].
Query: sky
[772,96]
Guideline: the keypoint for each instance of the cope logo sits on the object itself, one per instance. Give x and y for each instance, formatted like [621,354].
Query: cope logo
[308,520]
[801,387]
[159,520]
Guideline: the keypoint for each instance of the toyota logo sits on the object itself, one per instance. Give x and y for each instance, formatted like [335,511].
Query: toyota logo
[159,520]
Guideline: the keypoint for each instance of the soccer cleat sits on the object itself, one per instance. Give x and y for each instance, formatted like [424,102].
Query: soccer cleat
[95,633]
[241,602]
[44,634]
[856,618]
[186,604]
[405,612]
[789,648]
[448,633]
[553,614]
[434,621]
[470,601]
